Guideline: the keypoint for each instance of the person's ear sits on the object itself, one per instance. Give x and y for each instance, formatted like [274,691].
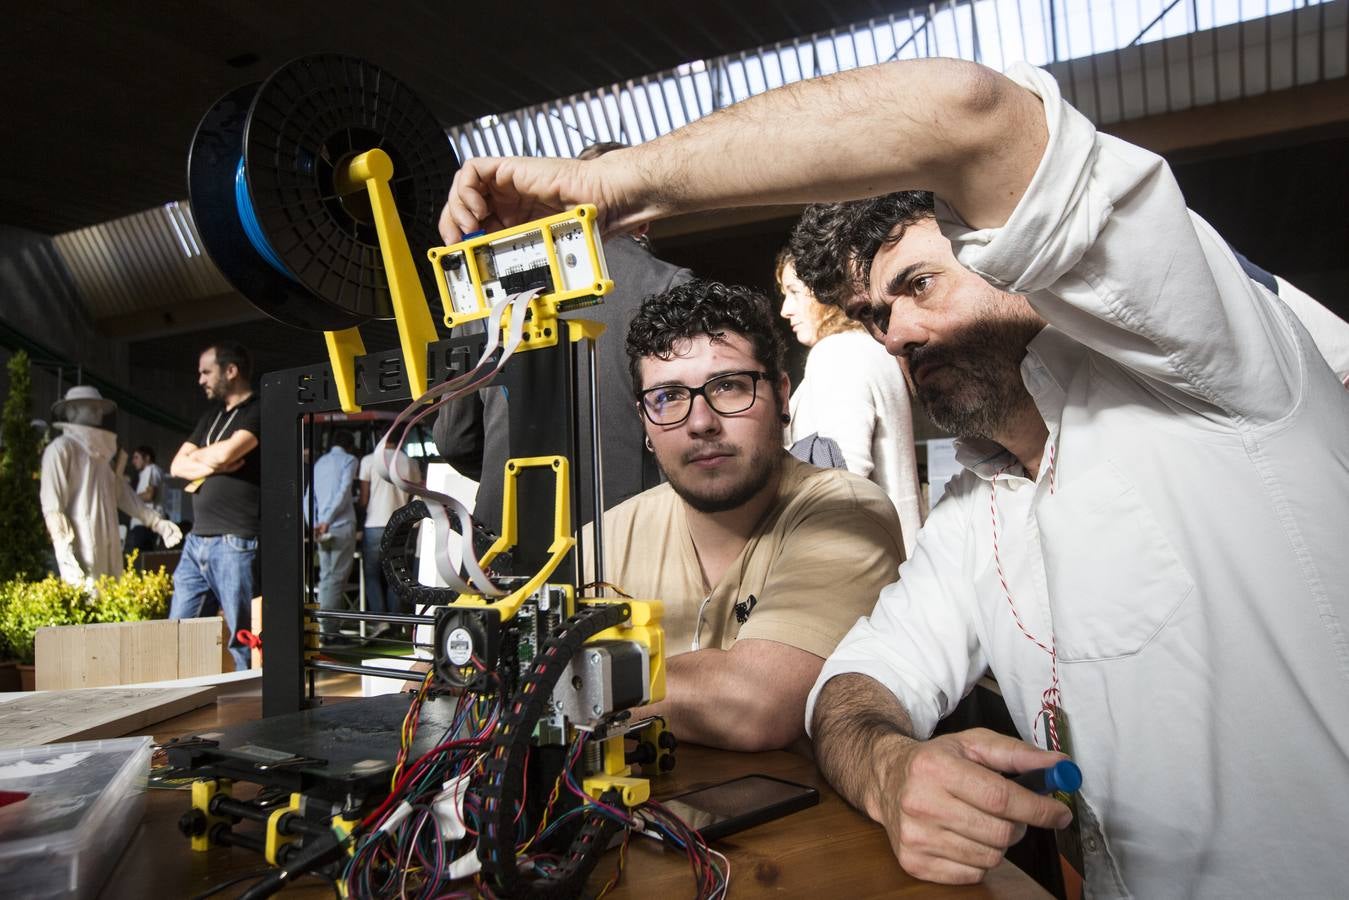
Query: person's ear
[784,390]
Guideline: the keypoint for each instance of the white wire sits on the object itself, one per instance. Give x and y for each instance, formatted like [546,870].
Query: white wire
[726,882]
[440,505]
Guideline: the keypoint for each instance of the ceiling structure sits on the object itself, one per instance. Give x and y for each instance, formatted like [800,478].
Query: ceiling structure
[102,105]
[106,99]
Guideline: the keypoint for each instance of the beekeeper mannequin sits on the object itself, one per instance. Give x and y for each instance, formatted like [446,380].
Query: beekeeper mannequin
[81,492]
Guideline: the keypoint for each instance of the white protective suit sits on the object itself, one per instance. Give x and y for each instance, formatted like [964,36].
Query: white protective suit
[80,497]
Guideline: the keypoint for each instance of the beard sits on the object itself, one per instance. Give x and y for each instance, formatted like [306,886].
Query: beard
[979,391]
[729,490]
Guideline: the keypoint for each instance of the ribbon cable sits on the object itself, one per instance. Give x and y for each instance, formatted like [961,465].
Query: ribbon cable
[440,505]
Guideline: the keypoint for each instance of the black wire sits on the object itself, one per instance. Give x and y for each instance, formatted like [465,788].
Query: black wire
[211,892]
[247,876]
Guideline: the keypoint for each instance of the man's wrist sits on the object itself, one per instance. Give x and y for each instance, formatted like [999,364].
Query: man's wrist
[889,760]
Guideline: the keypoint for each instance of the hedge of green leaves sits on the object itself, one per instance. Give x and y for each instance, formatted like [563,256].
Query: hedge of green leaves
[26,606]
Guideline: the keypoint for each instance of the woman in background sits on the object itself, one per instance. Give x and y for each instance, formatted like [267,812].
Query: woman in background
[854,393]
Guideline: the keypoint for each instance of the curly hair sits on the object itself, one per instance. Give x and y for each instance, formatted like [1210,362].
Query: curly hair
[835,243]
[833,320]
[700,307]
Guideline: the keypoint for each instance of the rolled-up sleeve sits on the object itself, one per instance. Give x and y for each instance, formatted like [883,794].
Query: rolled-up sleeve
[1106,250]
[920,641]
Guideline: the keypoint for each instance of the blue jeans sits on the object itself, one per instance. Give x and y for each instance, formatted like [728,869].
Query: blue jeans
[217,572]
[335,557]
[378,598]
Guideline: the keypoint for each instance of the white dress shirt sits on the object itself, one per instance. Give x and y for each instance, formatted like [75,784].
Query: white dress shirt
[1187,557]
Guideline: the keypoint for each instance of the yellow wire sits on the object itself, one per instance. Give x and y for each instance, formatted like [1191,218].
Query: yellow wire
[409,729]
[618,872]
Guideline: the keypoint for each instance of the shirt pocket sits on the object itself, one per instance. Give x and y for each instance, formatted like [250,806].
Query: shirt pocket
[1114,580]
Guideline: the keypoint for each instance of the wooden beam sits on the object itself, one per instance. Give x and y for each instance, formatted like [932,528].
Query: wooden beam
[1320,105]
[176,318]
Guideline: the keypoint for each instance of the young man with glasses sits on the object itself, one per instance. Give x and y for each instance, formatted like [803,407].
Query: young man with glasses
[763,562]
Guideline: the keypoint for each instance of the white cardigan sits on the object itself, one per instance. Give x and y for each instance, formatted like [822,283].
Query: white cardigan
[853,392]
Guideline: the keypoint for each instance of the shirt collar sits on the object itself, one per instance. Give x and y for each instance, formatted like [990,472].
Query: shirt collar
[1051,358]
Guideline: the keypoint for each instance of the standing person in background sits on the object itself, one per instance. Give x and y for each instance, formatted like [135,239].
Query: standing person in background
[334,511]
[380,497]
[222,464]
[81,492]
[150,490]
[853,392]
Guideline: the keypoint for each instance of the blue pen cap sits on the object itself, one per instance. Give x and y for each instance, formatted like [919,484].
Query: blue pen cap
[1064,776]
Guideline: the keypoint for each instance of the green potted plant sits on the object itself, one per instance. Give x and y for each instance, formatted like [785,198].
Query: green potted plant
[26,606]
[133,596]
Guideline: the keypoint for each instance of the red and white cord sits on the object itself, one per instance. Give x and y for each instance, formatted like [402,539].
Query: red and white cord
[1051,698]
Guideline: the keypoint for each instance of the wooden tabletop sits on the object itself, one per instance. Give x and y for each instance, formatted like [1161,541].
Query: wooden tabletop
[827,850]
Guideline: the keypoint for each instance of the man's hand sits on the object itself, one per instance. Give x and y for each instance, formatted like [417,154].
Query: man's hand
[495,193]
[949,811]
[320,529]
[226,468]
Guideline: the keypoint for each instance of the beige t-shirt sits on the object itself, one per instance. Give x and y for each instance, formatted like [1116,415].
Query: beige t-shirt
[816,563]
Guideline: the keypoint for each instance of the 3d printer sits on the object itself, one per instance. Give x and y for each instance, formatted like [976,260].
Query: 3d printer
[509,765]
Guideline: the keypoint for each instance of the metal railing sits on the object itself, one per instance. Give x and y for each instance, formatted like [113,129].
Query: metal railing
[1116,60]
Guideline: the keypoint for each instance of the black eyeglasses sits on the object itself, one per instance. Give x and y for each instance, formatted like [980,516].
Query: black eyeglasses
[671,404]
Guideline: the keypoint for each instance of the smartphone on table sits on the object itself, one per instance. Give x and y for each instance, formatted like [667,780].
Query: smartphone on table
[732,806]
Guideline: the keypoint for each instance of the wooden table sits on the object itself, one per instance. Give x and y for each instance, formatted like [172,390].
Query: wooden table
[828,850]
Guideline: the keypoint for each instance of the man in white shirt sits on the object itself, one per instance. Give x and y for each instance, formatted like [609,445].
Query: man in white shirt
[380,498]
[1147,545]
[150,489]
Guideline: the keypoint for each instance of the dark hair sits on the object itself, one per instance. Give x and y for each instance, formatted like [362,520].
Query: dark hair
[703,307]
[784,259]
[833,320]
[232,353]
[145,452]
[342,438]
[834,243]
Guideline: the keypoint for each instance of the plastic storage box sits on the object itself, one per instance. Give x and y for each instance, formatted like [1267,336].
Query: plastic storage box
[84,803]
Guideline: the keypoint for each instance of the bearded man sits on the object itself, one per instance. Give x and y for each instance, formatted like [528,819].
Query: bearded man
[1146,545]
[763,562]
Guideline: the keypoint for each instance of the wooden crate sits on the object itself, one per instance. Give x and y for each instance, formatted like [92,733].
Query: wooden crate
[80,656]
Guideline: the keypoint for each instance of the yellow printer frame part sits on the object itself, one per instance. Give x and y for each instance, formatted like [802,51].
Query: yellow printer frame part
[643,626]
[561,545]
[540,330]
[373,171]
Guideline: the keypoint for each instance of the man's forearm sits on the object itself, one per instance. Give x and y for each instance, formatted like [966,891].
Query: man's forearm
[188,467]
[216,455]
[853,715]
[710,701]
[956,128]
